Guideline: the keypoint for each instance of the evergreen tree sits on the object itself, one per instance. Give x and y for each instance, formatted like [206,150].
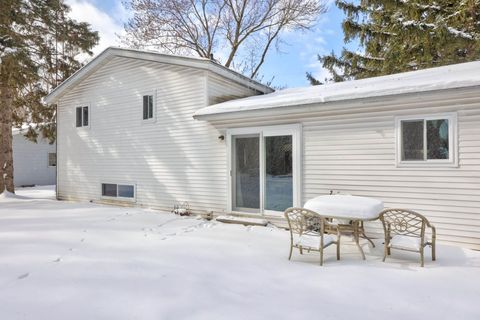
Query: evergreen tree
[405,35]
[38,45]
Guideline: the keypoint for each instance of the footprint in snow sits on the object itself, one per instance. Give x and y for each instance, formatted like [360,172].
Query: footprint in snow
[57,260]
[23,276]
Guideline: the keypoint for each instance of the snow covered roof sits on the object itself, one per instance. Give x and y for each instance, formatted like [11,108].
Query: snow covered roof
[193,62]
[440,78]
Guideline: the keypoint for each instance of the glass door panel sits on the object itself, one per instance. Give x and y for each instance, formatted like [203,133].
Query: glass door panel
[246,175]
[278,173]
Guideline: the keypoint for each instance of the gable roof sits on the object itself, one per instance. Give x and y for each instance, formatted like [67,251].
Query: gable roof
[192,62]
[439,78]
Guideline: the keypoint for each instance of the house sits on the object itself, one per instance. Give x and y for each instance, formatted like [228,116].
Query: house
[33,163]
[149,129]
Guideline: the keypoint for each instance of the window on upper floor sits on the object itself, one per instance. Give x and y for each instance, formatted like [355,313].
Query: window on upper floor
[427,140]
[82,117]
[148,107]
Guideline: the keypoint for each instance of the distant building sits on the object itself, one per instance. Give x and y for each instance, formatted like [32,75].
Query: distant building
[33,163]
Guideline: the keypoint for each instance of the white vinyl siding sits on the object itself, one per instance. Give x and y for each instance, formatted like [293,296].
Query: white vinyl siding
[220,90]
[350,147]
[173,160]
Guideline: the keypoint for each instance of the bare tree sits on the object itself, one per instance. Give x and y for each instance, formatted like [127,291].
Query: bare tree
[239,33]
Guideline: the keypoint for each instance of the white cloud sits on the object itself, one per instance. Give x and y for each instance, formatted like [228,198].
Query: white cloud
[108,25]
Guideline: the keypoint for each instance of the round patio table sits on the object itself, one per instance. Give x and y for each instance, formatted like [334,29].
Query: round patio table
[346,207]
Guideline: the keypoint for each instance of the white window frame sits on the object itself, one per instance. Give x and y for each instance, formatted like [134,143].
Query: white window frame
[118,198]
[297,152]
[452,160]
[48,159]
[154,102]
[89,116]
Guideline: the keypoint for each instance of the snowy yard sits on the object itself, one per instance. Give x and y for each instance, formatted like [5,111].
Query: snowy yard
[62,260]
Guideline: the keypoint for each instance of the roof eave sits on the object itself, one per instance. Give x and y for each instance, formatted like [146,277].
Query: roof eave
[354,102]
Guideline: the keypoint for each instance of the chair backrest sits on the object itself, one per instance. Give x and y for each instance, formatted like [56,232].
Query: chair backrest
[403,222]
[304,222]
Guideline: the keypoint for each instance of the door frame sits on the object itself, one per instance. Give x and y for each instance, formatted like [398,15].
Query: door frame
[295,130]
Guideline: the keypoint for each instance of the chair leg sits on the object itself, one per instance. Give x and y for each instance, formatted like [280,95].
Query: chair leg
[433,252]
[321,256]
[301,250]
[290,254]
[385,250]
[422,260]
[338,250]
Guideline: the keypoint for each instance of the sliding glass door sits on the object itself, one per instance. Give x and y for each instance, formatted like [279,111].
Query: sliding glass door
[264,166]
[246,178]
[278,173]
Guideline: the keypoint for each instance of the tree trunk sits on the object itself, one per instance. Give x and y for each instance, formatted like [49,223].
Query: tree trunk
[6,153]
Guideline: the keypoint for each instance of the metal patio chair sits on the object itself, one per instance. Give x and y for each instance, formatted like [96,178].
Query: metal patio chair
[405,230]
[307,232]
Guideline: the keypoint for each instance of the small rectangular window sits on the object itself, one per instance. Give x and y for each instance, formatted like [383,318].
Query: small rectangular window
[437,139]
[85,116]
[125,191]
[109,190]
[412,137]
[428,139]
[52,159]
[147,107]
[118,190]
[81,116]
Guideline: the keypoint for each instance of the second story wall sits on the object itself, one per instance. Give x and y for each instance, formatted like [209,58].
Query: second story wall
[169,158]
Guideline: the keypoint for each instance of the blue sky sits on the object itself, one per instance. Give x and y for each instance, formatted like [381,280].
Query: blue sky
[288,67]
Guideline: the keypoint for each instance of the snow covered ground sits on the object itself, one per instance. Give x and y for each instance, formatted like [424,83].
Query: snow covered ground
[62,260]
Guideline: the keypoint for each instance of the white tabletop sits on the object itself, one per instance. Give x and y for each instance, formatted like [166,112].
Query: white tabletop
[346,207]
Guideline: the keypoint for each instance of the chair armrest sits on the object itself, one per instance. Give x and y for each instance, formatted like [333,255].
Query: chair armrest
[434,231]
[431,226]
